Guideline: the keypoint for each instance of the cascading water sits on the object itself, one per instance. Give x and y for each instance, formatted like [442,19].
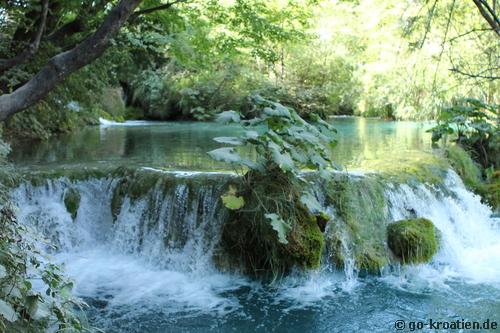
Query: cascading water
[150,266]
[470,236]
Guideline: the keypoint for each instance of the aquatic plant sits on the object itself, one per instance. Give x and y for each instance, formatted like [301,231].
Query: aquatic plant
[273,224]
[474,125]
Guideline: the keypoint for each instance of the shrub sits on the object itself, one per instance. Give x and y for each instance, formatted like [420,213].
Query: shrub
[274,223]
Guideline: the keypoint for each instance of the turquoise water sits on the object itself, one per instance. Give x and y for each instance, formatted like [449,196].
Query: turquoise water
[362,144]
[152,271]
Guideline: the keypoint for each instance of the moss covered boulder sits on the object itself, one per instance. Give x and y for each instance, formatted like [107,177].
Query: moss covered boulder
[361,212]
[249,242]
[72,201]
[413,241]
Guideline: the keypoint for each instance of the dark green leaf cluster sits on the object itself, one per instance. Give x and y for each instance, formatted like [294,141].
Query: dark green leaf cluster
[474,125]
[285,145]
[281,139]
[34,296]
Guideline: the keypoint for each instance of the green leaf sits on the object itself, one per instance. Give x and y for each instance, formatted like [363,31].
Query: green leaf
[251,134]
[231,201]
[309,200]
[231,140]
[228,117]
[3,272]
[278,111]
[280,226]
[7,311]
[228,155]
[283,160]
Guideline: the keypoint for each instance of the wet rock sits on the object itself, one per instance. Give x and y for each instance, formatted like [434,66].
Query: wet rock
[413,241]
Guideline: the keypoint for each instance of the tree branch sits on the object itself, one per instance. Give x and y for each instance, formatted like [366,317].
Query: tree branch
[25,55]
[62,65]
[476,76]
[154,9]
[467,33]
[66,30]
[488,15]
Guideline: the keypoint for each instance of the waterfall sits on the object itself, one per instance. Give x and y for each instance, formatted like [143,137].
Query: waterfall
[157,249]
[470,235]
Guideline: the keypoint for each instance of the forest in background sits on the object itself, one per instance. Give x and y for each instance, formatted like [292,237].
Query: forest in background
[391,59]
[284,65]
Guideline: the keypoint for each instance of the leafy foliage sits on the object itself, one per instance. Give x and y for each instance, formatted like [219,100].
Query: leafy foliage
[286,144]
[474,125]
[23,306]
[231,200]
[288,141]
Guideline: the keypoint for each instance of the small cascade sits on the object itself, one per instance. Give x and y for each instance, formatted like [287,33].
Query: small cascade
[158,248]
[147,239]
[470,235]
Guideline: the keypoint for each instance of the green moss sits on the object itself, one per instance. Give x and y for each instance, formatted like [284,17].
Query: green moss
[464,166]
[112,103]
[134,184]
[491,191]
[424,168]
[470,172]
[72,201]
[134,113]
[360,206]
[103,114]
[306,242]
[371,260]
[412,241]
[74,174]
[251,244]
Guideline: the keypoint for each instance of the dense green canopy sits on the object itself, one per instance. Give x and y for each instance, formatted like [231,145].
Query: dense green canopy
[192,59]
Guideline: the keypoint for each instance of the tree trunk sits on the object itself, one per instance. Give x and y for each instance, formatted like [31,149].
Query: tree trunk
[63,64]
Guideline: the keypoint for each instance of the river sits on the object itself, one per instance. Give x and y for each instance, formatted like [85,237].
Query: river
[150,267]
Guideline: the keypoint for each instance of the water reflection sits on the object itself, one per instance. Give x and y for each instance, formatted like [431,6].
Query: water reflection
[362,144]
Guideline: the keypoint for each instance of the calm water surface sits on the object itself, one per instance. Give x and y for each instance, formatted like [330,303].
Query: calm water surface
[362,144]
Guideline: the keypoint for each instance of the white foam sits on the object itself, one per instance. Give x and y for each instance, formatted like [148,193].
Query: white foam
[106,123]
[470,236]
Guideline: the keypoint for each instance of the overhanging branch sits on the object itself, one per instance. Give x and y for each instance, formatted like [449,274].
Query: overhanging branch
[154,9]
[62,65]
[475,76]
[489,15]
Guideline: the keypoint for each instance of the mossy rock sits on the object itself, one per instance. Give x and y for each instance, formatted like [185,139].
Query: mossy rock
[72,200]
[491,191]
[360,207]
[250,244]
[413,241]
[464,166]
[134,184]
[470,172]
[370,260]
